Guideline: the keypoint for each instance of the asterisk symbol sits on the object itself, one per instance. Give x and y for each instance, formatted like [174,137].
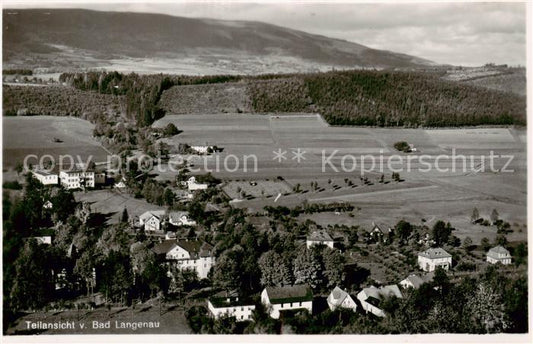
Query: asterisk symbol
[279,155]
[298,155]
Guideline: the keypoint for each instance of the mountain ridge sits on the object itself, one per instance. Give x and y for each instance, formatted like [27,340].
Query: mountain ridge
[88,36]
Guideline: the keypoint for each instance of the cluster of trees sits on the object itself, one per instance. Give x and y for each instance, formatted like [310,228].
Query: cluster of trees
[402,146]
[17,72]
[308,208]
[384,98]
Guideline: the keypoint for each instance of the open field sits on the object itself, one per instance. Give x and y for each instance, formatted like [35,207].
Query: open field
[35,135]
[423,197]
[111,203]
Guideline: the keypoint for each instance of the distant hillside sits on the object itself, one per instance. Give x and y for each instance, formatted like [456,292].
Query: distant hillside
[66,38]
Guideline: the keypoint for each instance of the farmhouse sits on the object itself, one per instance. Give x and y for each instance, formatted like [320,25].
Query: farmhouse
[180,218]
[319,238]
[432,258]
[76,178]
[412,281]
[192,185]
[46,178]
[338,298]
[152,220]
[278,299]
[202,149]
[194,255]
[499,254]
[378,234]
[371,298]
[230,304]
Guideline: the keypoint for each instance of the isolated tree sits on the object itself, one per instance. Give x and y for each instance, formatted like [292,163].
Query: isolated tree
[475,215]
[441,232]
[500,240]
[227,271]
[404,229]
[125,217]
[467,243]
[494,216]
[485,244]
[19,168]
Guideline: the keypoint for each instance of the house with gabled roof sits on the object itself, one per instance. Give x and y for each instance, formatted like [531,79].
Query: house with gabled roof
[319,237]
[194,255]
[378,234]
[279,299]
[412,281]
[152,220]
[180,218]
[371,297]
[231,305]
[339,298]
[499,254]
[432,258]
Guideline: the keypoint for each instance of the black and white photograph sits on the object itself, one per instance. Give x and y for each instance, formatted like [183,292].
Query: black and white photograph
[265,170]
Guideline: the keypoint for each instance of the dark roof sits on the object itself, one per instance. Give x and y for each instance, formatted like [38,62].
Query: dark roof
[319,236]
[434,253]
[196,248]
[295,293]
[164,247]
[224,299]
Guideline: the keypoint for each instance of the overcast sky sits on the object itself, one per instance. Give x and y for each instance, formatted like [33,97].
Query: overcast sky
[455,33]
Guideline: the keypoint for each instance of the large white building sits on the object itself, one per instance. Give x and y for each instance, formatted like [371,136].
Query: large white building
[192,185]
[499,254]
[194,255]
[319,237]
[77,178]
[230,305]
[278,299]
[46,178]
[432,258]
[338,298]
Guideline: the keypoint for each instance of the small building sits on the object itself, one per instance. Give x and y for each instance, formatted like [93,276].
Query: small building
[152,221]
[180,218]
[44,240]
[48,205]
[231,305]
[378,234]
[194,255]
[100,178]
[412,281]
[432,258]
[202,149]
[339,298]
[371,297]
[192,185]
[319,237]
[278,299]
[499,254]
[45,177]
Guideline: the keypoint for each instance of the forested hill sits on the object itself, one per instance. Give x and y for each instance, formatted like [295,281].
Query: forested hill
[49,37]
[369,98]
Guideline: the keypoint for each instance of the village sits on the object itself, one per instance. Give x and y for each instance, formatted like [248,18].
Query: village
[189,242]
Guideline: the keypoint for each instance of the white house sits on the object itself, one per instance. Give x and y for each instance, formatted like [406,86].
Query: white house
[231,305]
[432,258]
[152,220]
[278,299]
[202,149]
[48,205]
[499,254]
[188,254]
[192,185]
[371,298]
[44,240]
[412,281]
[338,298]
[180,218]
[319,238]
[46,178]
[76,178]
